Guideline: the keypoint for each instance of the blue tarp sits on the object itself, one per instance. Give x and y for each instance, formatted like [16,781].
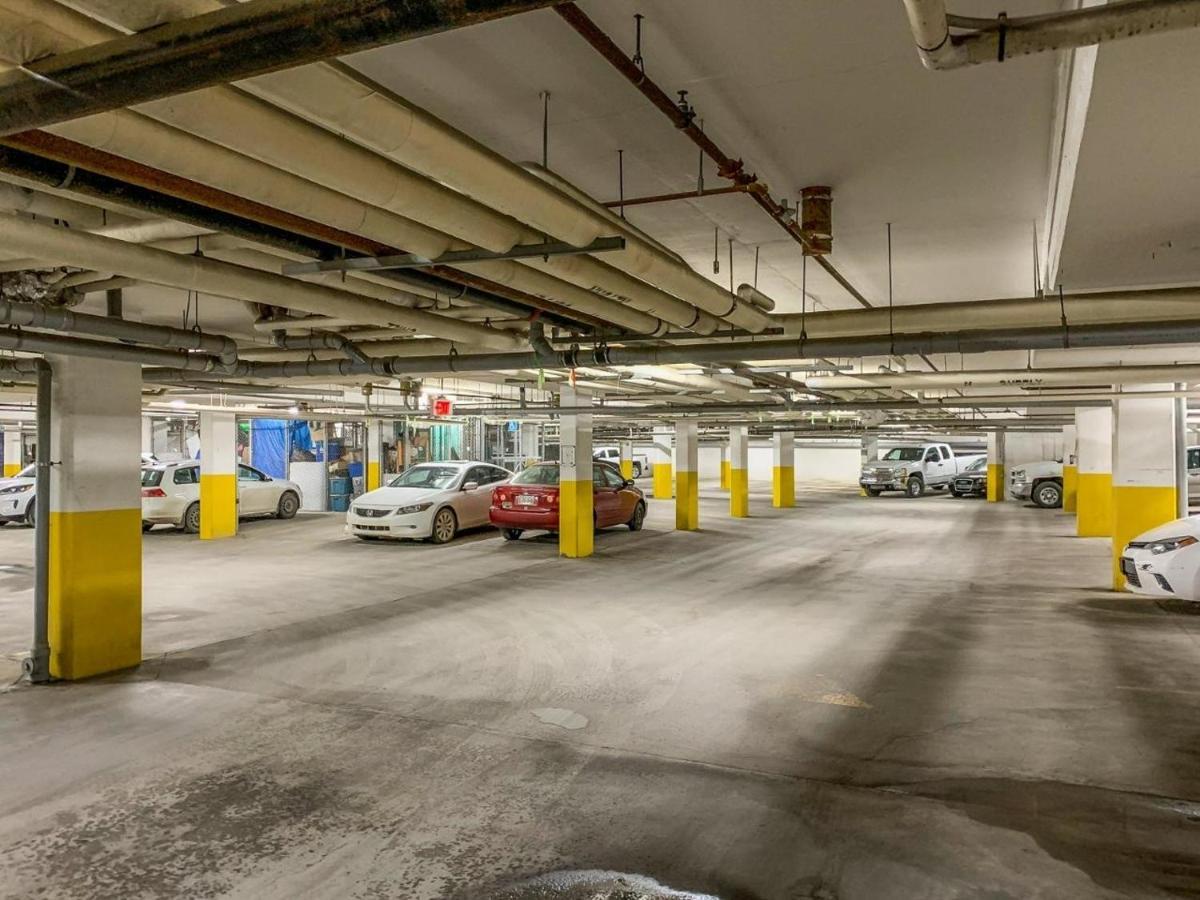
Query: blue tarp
[269,450]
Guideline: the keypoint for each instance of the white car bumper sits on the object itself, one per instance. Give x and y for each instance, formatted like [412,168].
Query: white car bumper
[414,526]
[1173,574]
[1021,490]
[163,510]
[14,506]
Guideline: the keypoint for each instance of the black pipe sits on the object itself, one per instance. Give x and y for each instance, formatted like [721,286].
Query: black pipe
[225,46]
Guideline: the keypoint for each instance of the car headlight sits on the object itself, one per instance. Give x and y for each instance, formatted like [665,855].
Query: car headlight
[17,489]
[1018,474]
[1166,545]
[415,508]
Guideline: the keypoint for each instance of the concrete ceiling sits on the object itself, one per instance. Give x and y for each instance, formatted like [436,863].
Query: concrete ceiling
[808,92]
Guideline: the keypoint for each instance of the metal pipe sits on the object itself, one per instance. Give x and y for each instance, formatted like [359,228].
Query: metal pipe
[1003,38]
[225,46]
[331,341]
[681,195]
[751,294]
[57,318]
[38,664]
[32,342]
[727,167]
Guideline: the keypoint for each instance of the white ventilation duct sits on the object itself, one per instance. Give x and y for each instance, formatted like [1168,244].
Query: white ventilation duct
[751,294]
[264,132]
[89,251]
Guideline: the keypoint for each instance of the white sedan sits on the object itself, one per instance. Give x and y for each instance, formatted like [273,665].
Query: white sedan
[430,501]
[1165,561]
[171,495]
[16,496]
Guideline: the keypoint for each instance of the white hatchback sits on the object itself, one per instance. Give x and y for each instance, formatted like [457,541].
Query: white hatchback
[1165,561]
[16,496]
[429,501]
[171,495]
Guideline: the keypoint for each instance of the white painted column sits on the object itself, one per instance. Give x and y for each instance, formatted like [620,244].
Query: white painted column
[660,462]
[1093,442]
[14,450]
[218,475]
[1145,444]
[147,434]
[997,469]
[783,469]
[625,450]
[95,567]
[530,446]
[687,476]
[1070,468]
[575,502]
[373,470]
[739,471]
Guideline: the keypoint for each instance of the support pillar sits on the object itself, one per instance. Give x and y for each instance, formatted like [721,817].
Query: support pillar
[1145,443]
[94,613]
[870,453]
[576,523]
[739,472]
[660,463]
[218,475]
[996,469]
[147,434]
[783,469]
[373,470]
[530,451]
[1070,469]
[14,450]
[725,466]
[626,459]
[687,477]
[1093,493]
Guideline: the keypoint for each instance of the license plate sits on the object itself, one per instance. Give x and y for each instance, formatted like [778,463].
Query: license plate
[527,499]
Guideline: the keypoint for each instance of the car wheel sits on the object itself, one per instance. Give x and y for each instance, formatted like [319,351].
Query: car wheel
[637,470]
[1048,495]
[191,519]
[914,487]
[954,493]
[639,516]
[31,514]
[445,526]
[289,505]
[511,534]
[874,492]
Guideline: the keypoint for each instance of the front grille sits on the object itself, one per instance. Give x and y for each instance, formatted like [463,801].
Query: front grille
[371,527]
[1129,570]
[372,513]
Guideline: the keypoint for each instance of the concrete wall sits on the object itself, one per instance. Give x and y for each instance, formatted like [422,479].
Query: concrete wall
[812,463]
[1026,448]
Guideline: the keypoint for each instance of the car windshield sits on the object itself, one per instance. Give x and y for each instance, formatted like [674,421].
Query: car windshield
[30,471]
[538,474]
[151,477]
[977,465]
[436,477]
[907,454]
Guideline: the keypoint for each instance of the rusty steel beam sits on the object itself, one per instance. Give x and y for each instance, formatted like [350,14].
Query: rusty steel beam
[238,215]
[727,166]
[683,195]
[223,46]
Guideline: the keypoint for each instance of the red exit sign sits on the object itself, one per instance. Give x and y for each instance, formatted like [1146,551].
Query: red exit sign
[443,407]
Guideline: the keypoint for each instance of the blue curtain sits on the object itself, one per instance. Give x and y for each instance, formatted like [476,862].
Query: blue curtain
[269,446]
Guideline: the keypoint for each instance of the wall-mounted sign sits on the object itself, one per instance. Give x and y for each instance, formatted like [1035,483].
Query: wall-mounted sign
[442,406]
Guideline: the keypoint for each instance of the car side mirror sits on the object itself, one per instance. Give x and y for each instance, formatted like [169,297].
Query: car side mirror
[471,486]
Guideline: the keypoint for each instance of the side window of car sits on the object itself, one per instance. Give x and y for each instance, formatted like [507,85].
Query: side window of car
[945,453]
[499,475]
[931,455]
[598,479]
[614,480]
[1194,458]
[245,473]
[186,475]
[477,474]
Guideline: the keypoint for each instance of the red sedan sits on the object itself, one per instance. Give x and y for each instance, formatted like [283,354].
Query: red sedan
[529,502]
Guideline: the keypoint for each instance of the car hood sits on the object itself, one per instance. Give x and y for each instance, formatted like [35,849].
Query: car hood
[892,464]
[1177,528]
[393,497]
[15,482]
[1043,467]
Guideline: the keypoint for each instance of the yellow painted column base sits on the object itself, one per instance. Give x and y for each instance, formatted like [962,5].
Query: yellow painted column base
[725,467]
[218,507]
[1070,488]
[687,501]
[739,493]
[95,603]
[1136,509]
[1093,510]
[576,524]
[11,469]
[662,481]
[995,482]
[627,469]
[373,481]
[783,486]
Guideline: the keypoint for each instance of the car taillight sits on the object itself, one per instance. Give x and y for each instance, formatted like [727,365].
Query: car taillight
[552,498]
[500,496]
[153,492]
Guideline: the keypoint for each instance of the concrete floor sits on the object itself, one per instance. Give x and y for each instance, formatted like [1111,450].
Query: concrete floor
[853,699]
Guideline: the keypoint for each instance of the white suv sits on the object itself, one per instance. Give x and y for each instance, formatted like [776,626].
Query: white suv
[171,495]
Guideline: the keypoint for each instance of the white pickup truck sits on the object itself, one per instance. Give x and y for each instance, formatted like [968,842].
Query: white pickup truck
[913,469]
[641,465]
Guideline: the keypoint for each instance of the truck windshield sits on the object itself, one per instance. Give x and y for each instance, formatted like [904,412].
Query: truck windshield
[907,454]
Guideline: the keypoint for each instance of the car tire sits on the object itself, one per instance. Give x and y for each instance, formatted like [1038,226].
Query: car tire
[637,470]
[445,526]
[954,493]
[511,534]
[639,517]
[191,519]
[914,487]
[1047,494]
[874,492]
[289,505]
[31,514]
